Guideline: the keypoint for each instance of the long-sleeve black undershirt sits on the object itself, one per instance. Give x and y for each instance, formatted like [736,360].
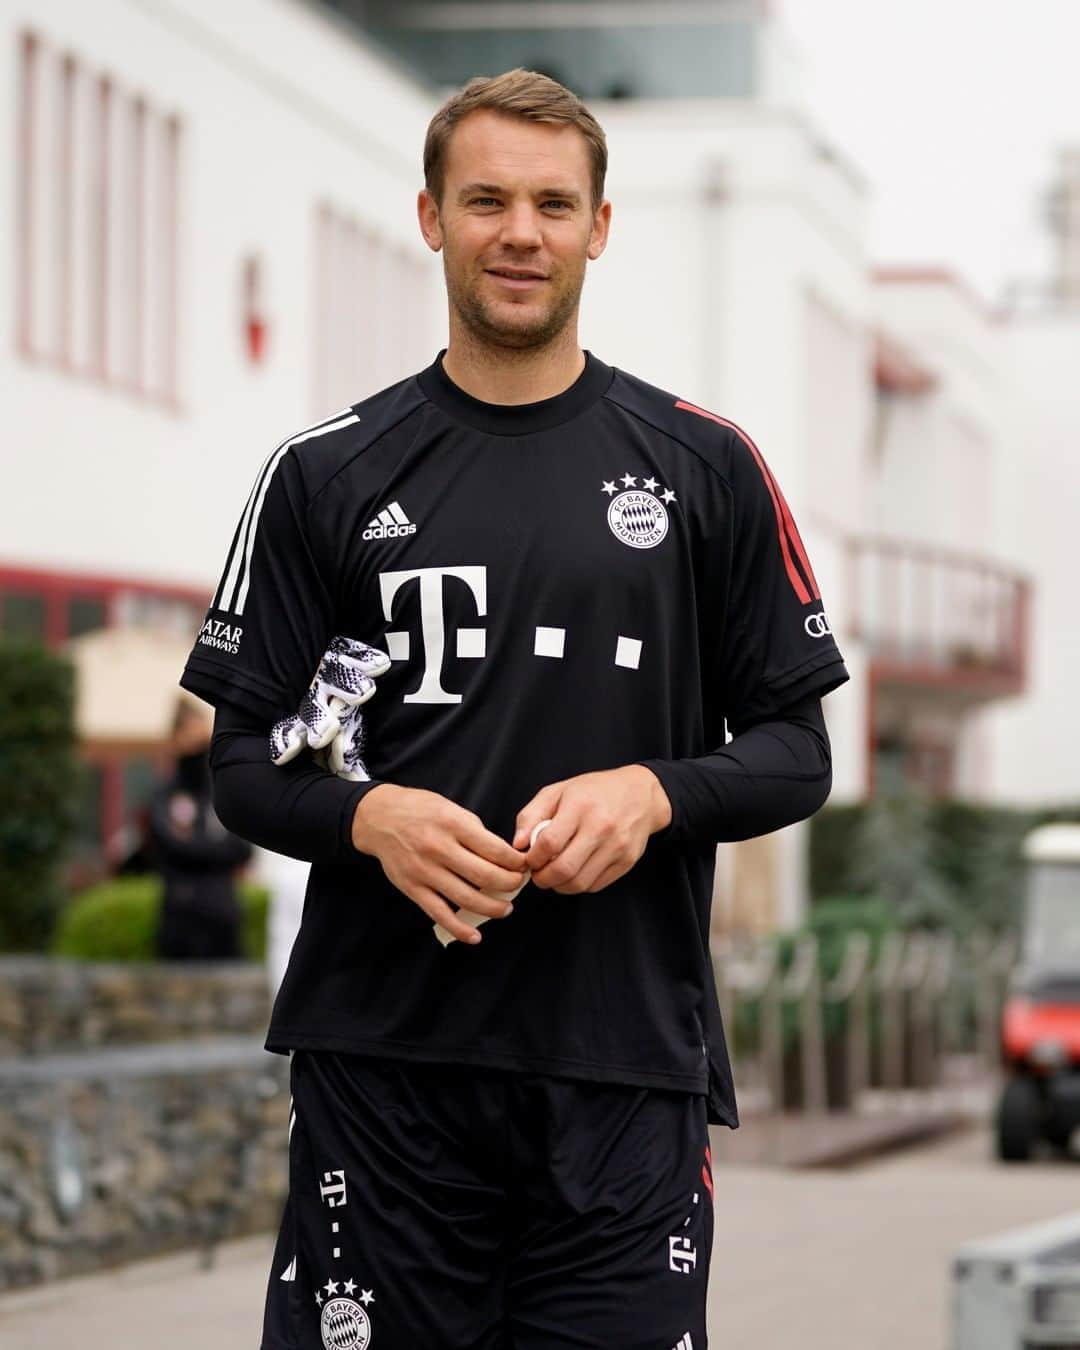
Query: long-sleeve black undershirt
[773,773]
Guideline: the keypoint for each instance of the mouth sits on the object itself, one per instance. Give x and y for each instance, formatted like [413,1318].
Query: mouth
[516,278]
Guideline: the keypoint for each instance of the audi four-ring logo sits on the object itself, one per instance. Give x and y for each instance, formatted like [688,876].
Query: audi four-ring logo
[817,625]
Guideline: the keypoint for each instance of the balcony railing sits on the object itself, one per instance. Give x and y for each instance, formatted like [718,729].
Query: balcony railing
[934,616]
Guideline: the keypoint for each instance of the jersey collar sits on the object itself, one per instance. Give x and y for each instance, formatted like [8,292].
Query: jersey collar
[515,419]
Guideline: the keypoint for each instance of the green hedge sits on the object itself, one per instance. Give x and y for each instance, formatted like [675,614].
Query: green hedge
[936,863]
[40,789]
[117,921]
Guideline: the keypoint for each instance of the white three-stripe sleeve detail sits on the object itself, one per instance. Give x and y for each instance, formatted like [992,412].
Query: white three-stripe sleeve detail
[223,599]
[279,455]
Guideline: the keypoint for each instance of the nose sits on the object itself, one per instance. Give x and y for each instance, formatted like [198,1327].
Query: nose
[521,226]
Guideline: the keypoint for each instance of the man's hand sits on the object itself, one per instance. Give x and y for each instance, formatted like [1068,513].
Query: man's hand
[435,851]
[600,824]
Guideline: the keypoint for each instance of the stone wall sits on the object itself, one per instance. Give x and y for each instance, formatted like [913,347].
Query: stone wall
[52,1005]
[113,1151]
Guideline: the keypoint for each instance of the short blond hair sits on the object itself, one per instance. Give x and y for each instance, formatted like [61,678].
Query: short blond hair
[517,93]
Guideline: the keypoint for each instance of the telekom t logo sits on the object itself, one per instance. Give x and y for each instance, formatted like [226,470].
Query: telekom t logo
[470,641]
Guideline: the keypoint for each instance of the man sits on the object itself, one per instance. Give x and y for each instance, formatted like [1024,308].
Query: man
[503,1143]
[196,857]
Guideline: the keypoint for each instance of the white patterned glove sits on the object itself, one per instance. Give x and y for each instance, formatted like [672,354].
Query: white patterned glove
[344,754]
[328,721]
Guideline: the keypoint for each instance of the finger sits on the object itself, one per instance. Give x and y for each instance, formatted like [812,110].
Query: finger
[542,807]
[446,937]
[471,832]
[352,687]
[443,915]
[335,753]
[464,896]
[485,876]
[602,868]
[611,873]
[315,712]
[552,840]
[287,738]
[370,660]
[562,872]
[353,766]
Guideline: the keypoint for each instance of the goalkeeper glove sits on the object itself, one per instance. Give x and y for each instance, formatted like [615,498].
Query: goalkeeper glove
[328,720]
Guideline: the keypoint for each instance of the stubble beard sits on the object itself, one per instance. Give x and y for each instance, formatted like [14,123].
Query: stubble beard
[497,326]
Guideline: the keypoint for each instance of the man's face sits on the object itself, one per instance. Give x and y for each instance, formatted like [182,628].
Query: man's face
[516,226]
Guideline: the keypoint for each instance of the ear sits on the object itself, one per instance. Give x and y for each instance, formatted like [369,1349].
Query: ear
[598,236]
[427,213]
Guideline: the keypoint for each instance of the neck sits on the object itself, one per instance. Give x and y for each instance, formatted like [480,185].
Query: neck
[508,375]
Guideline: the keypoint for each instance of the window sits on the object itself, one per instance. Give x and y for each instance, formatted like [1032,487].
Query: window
[22,616]
[85,614]
[370,312]
[140,778]
[96,192]
[88,824]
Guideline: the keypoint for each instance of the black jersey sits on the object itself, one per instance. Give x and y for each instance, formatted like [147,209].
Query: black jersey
[598,579]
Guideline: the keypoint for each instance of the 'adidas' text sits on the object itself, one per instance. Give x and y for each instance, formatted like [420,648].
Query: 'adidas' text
[389,524]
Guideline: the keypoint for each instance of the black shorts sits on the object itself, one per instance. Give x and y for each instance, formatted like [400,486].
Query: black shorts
[436,1207]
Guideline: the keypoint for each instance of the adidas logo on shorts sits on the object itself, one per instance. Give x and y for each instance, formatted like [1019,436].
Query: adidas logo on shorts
[685,1343]
[389,524]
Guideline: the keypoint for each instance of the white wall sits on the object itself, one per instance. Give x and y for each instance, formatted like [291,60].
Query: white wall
[1035,741]
[941,452]
[278,114]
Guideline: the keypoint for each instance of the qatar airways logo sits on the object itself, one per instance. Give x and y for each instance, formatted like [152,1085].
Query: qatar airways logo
[223,637]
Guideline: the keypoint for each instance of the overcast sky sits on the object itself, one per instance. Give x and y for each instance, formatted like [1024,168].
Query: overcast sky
[953,110]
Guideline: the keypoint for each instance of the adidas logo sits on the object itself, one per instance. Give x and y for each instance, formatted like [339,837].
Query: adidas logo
[389,524]
[685,1343]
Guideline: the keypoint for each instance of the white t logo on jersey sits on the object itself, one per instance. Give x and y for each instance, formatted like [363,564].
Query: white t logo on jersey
[433,620]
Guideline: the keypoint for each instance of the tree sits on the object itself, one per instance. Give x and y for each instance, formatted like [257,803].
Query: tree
[40,787]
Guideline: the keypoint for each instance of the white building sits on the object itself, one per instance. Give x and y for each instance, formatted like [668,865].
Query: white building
[213,212]
[213,220]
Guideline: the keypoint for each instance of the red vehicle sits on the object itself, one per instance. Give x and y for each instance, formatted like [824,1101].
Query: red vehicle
[1040,1031]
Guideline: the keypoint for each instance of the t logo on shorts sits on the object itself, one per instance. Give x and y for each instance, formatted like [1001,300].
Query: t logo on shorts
[333,1191]
[682,1257]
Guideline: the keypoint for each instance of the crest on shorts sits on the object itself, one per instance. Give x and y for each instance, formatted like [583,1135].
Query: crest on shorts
[344,1323]
[637,516]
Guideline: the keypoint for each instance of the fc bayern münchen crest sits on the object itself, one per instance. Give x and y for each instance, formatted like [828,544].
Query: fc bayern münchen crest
[345,1325]
[638,519]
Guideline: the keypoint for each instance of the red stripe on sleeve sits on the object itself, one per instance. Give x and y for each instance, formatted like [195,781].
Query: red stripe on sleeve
[796,539]
[784,520]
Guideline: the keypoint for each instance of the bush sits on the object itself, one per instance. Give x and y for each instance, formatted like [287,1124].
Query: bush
[117,921]
[936,863]
[40,788]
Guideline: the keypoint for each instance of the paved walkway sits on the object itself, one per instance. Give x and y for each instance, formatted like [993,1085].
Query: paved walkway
[823,1260]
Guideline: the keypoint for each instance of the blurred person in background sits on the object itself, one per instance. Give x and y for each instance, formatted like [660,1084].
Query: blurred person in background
[502,1143]
[195,855]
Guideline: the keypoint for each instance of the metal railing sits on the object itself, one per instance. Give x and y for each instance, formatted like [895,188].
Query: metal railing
[938,612]
[921,1014]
